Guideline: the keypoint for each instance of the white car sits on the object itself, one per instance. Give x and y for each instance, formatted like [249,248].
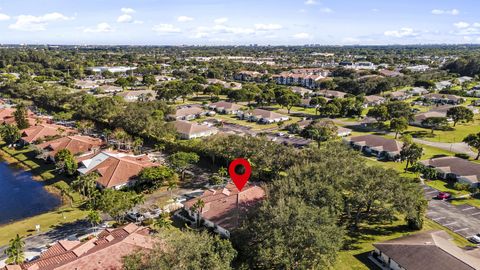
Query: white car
[474,239]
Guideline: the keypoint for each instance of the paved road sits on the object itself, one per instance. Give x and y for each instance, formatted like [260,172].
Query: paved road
[452,147]
[461,219]
[64,231]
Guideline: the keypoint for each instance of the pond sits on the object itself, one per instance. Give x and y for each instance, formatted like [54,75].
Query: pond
[21,196]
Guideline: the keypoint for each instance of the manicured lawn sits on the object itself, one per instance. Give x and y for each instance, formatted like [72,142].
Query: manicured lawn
[355,255]
[255,126]
[46,221]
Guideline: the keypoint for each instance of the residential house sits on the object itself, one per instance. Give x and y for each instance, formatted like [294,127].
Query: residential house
[224,207]
[43,132]
[138,95]
[103,251]
[331,94]
[442,85]
[191,130]
[443,99]
[225,107]
[418,91]
[424,251]
[227,85]
[418,68]
[263,116]
[306,80]
[248,76]
[341,131]
[454,168]
[399,95]
[304,92]
[418,118]
[188,113]
[116,169]
[311,71]
[111,88]
[464,79]
[377,146]
[373,100]
[117,69]
[390,73]
[77,145]
[86,84]
[473,93]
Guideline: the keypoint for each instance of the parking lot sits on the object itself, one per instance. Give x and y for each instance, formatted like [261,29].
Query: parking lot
[461,219]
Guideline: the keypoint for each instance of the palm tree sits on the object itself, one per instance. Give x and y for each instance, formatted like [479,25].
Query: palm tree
[197,207]
[163,221]
[94,218]
[15,250]
[222,171]
[172,184]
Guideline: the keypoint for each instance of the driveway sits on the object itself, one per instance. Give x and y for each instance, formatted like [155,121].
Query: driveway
[461,219]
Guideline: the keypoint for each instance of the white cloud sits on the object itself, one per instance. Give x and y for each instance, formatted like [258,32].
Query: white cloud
[128,10]
[403,32]
[232,30]
[4,17]
[125,18]
[220,20]
[461,25]
[453,12]
[164,28]
[310,2]
[184,19]
[326,10]
[100,28]
[37,23]
[137,22]
[302,36]
[266,27]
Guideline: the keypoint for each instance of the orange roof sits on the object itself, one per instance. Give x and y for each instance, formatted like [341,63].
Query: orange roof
[115,169]
[75,144]
[222,205]
[41,131]
[102,252]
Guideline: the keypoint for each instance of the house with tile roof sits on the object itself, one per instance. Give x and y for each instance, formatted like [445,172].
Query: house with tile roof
[377,146]
[225,107]
[188,113]
[331,94]
[104,251]
[225,206]
[191,130]
[76,144]
[424,251]
[373,100]
[44,131]
[116,169]
[454,168]
[443,99]
[262,116]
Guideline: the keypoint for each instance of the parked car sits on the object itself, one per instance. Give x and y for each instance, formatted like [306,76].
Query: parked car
[443,195]
[474,239]
[135,217]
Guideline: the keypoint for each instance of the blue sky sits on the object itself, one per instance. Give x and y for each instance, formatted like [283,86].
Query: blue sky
[226,22]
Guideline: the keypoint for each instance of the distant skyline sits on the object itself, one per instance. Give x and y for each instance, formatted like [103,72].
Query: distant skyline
[222,22]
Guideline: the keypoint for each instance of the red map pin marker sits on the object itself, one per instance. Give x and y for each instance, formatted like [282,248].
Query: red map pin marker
[240,179]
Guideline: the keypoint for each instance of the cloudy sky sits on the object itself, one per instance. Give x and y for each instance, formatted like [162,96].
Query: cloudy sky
[229,22]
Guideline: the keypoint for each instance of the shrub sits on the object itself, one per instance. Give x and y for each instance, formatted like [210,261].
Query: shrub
[461,186]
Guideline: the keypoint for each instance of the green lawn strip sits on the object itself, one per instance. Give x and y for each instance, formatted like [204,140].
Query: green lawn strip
[355,257]
[255,126]
[47,221]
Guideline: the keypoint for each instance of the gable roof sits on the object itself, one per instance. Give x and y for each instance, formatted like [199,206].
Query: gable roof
[373,98]
[428,250]
[106,251]
[378,142]
[188,111]
[222,205]
[75,144]
[115,168]
[225,105]
[190,128]
[266,114]
[458,166]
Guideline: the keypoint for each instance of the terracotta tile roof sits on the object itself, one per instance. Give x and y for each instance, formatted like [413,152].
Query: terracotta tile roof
[222,205]
[115,168]
[428,250]
[41,131]
[76,144]
[102,252]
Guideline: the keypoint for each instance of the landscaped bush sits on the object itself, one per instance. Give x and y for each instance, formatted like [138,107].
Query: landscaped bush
[461,186]
[147,222]
[462,155]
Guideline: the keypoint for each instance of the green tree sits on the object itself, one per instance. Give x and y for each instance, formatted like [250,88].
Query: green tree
[320,131]
[10,133]
[155,177]
[182,161]
[20,116]
[149,80]
[460,113]
[289,99]
[14,251]
[94,218]
[379,112]
[435,123]
[204,251]
[164,221]
[86,185]
[398,125]
[116,203]
[65,161]
[197,208]
[473,140]
[411,152]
